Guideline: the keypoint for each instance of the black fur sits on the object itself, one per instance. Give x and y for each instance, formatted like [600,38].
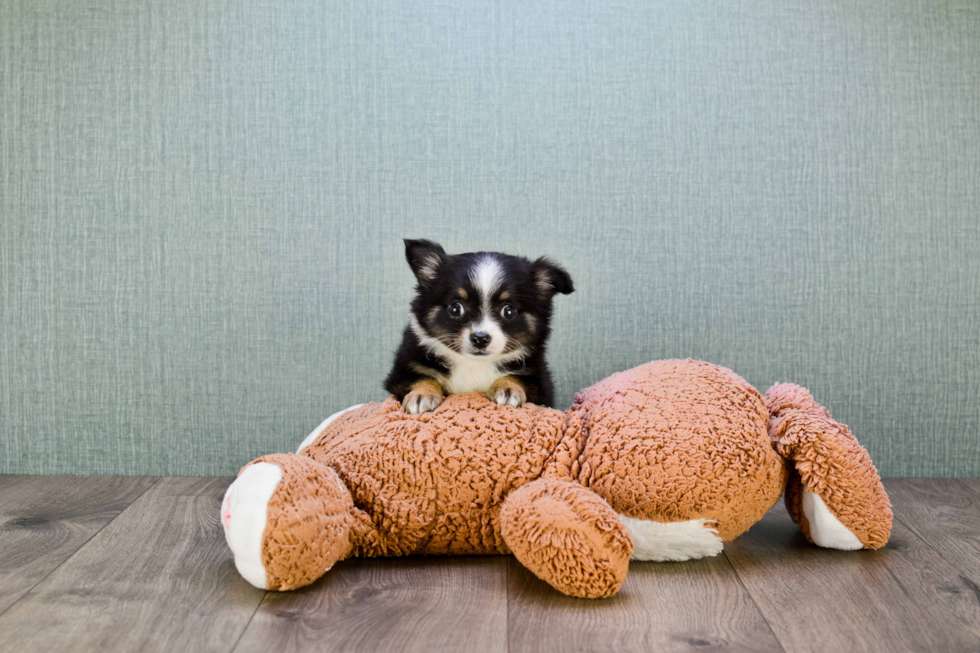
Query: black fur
[529,287]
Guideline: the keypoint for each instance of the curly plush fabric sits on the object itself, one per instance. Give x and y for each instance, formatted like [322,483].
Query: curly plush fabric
[434,483]
[674,441]
[568,537]
[829,462]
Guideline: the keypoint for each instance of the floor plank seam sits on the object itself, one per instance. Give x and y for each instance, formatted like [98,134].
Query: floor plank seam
[249,622]
[80,547]
[934,549]
[754,602]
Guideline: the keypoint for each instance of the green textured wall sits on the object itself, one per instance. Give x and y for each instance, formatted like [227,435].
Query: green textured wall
[201,206]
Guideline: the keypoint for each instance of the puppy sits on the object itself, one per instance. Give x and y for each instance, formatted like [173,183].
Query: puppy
[479,323]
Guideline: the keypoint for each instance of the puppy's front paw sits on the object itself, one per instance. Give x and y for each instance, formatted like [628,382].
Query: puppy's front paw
[425,396]
[507,392]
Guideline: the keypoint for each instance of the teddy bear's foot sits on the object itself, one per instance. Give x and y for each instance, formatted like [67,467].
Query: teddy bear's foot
[824,528]
[568,536]
[287,520]
[673,541]
[834,492]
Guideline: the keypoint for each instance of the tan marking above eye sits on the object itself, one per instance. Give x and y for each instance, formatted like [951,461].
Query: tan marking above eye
[504,296]
[462,293]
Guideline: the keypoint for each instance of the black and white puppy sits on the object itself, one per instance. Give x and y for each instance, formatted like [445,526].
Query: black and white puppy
[479,323]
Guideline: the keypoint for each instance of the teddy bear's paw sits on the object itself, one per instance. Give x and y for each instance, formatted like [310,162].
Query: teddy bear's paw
[834,492]
[287,520]
[672,541]
[507,392]
[825,529]
[243,517]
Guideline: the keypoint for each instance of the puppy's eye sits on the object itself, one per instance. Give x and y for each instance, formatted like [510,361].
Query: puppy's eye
[508,312]
[455,310]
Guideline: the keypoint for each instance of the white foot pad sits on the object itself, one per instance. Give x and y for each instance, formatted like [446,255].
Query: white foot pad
[825,529]
[243,516]
[674,541]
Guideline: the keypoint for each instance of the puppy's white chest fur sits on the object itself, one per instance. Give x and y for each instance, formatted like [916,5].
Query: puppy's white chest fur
[467,375]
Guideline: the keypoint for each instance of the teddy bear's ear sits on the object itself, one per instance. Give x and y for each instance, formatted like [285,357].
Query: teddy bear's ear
[550,278]
[425,258]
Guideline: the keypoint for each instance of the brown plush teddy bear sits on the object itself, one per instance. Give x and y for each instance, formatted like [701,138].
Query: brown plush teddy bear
[662,462]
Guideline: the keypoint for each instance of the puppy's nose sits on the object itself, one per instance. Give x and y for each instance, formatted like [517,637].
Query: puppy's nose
[480,339]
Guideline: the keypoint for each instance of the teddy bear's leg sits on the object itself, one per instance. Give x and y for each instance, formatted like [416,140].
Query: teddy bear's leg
[834,492]
[568,536]
[287,520]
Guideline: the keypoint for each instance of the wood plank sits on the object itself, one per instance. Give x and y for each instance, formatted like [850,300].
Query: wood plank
[158,578]
[671,606]
[45,519]
[896,598]
[945,512]
[399,604]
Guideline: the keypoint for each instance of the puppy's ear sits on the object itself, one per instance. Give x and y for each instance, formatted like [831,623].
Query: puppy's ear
[550,278]
[424,257]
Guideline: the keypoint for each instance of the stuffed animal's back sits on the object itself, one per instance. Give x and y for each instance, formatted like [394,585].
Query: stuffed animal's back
[434,483]
[675,440]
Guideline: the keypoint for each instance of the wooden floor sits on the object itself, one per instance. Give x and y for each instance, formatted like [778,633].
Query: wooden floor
[136,563]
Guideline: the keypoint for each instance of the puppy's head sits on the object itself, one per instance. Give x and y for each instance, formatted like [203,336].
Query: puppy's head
[482,305]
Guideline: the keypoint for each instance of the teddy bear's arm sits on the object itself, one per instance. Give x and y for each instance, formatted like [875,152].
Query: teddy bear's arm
[568,536]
